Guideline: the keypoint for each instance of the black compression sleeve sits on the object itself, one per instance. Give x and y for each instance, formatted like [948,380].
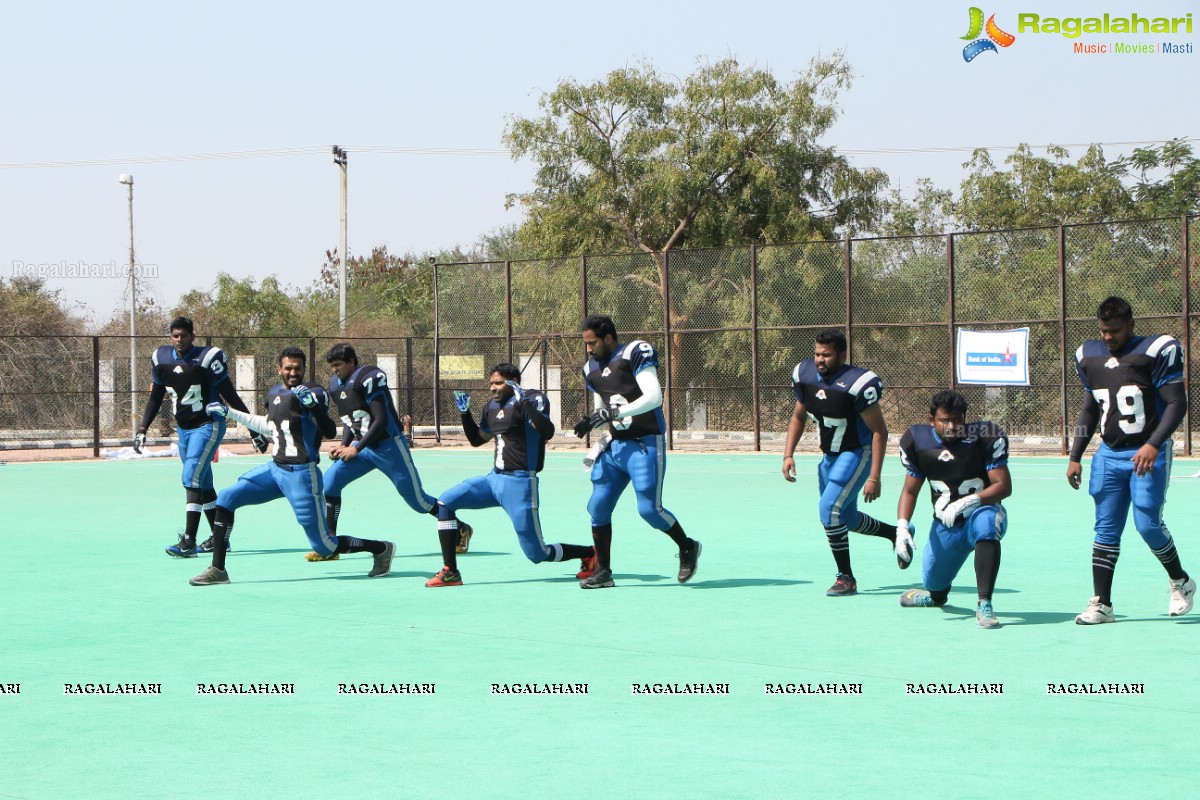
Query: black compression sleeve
[474,435]
[152,406]
[1085,426]
[227,393]
[378,428]
[1175,398]
[540,423]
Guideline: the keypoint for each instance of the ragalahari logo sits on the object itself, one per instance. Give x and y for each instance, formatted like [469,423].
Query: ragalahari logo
[995,36]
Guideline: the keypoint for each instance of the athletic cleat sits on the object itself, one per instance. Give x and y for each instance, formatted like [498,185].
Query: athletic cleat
[1096,613]
[687,561]
[207,546]
[916,598]
[315,556]
[464,537]
[445,577]
[1183,592]
[985,616]
[383,561]
[210,577]
[844,586]
[904,547]
[184,548]
[586,566]
[601,578]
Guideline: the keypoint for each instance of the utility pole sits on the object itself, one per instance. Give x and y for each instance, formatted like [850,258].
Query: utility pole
[340,158]
[127,180]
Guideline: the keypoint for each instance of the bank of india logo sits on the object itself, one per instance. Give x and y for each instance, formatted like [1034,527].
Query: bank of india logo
[987,43]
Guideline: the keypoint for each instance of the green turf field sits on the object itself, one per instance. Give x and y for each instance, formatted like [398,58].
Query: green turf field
[90,597]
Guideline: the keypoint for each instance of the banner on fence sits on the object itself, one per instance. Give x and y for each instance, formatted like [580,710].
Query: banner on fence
[995,358]
[461,368]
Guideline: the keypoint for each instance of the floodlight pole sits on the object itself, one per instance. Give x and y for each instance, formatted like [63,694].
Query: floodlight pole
[340,158]
[133,412]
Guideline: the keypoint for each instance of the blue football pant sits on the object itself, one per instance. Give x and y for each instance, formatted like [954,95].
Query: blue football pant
[197,447]
[948,548]
[640,461]
[517,494]
[301,487]
[393,459]
[841,478]
[1114,486]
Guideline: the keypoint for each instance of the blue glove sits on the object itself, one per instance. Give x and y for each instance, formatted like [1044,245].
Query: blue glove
[518,392]
[463,401]
[305,396]
[215,409]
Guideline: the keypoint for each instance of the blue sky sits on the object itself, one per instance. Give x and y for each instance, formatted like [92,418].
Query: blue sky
[127,80]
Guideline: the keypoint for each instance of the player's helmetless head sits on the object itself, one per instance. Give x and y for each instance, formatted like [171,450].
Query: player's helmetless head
[500,390]
[829,352]
[342,360]
[948,415]
[1116,322]
[291,370]
[599,336]
[183,334]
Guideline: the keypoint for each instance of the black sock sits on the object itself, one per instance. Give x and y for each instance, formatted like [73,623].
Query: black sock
[448,539]
[1104,563]
[869,526]
[677,535]
[602,538]
[987,567]
[940,597]
[1169,558]
[350,544]
[195,504]
[209,498]
[571,552]
[333,510]
[839,544]
[222,527]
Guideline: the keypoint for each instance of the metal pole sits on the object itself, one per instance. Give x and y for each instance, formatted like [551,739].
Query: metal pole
[1186,275]
[1063,352]
[756,390]
[341,158]
[951,345]
[133,413]
[95,396]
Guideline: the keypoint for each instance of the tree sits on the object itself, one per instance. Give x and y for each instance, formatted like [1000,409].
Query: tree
[1176,193]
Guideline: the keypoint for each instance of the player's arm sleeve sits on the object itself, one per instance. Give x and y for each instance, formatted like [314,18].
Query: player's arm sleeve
[647,381]
[1085,426]
[378,427]
[325,423]
[535,409]
[474,435]
[157,393]
[255,422]
[1175,406]
[229,394]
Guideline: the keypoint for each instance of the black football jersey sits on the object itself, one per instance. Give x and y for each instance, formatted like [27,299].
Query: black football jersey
[191,381]
[958,468]
[518,445]
[295,436]
[1125,385]
[836,403]
[616,382]
[353,398]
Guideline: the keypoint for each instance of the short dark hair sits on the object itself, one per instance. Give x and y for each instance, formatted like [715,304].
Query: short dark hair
[342,351]
[835,338]
[182,324]
[292,352]
[510,372]
[948,400]
[1115,308]
[600,325]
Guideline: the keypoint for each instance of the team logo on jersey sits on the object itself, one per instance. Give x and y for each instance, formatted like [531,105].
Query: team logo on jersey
[1112,363]
[606,372]
[842,384]
[342,396]
[821,394]
[177,370]
[945,455]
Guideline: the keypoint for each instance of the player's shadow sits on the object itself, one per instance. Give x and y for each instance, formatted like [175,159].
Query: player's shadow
[340,577]
[735,583]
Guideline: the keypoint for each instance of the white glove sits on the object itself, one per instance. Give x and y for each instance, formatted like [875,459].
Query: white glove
[962,506]
[598,448]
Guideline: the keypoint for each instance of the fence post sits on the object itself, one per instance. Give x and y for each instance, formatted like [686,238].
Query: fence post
[95,397]
[508,326]
[755,389]
[849,309]
[312,357]
[951,347]
[1186,274]
[408,375]
[667,350]
[437,362]
[1063,353]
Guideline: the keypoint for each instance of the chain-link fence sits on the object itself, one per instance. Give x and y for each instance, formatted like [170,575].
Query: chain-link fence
[729,324]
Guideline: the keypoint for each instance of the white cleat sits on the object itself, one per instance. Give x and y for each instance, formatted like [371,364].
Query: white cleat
[1183,592]
[1096,613]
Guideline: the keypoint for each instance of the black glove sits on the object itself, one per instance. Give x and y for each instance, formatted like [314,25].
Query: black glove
[139,442]
[261,443]
[599,417]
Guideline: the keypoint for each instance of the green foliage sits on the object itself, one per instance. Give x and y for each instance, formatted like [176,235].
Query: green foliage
[27,307]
